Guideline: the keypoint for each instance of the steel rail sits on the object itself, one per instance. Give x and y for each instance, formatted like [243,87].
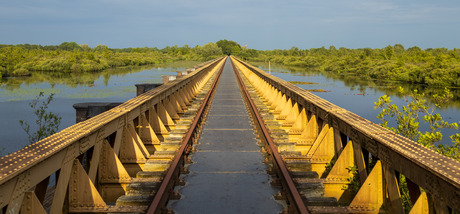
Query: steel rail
[286,177]
[161,197]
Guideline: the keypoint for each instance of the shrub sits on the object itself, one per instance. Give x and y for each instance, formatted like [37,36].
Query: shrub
[20,72]
[47,122]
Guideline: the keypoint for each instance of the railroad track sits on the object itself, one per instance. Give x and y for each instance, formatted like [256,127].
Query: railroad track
[154,185]
[289,169]
[319,157]
[279,168]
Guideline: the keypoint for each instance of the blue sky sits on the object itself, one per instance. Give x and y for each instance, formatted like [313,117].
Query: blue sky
[260,24]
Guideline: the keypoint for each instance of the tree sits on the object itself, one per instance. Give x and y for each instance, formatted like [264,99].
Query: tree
[209,50]
[101,48]
[69,46]
[47,122]
[246,53]
[388,52]
[229,47]
[85,47]
[408,118]
[398,48]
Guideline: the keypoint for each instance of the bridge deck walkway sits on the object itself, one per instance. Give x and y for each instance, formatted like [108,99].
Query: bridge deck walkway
[228,174]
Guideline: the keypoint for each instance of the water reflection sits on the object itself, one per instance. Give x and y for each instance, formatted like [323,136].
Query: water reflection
[112,85]
[74,80]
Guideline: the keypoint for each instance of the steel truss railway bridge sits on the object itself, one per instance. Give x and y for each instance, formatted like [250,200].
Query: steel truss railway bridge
[318,157]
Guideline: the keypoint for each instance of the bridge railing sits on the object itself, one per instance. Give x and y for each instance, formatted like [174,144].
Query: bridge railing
[345,142]
[93,161]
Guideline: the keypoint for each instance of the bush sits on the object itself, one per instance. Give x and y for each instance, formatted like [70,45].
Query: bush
[2,71]
[20,72]
[47,122]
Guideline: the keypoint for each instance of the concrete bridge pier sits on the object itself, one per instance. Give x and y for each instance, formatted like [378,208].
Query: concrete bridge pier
[85,111]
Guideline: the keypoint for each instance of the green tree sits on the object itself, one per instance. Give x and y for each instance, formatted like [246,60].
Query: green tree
[85,47]
[69,46]
[398,48]
[408,118]
[209,51]
[101,48]
[388,52]
[47,122]
[229,47]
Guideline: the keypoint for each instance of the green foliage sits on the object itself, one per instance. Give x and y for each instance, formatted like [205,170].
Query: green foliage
[247,53]
[354,183]
[47,122]
[434,67]
[2,70]
[229,47]
[85,47]
[328,167]
[408,118]
[209,51]
[404,190]
[20,72]
[69,57]
[69,46]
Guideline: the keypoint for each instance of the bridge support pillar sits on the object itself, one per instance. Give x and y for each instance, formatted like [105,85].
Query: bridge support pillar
[142,88]
[85,111]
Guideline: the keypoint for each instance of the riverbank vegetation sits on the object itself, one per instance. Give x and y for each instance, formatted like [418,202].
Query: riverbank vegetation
[407,118]
[69,57]
[432,67]
[438,67]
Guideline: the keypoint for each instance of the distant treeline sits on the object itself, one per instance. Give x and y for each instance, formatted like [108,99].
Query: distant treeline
[434,67]
[20,60]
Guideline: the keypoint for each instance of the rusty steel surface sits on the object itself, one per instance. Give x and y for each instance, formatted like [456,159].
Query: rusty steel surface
[437,174]
[159,200]
[286,177]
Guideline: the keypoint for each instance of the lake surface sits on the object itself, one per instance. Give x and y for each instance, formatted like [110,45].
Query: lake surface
[114,85]
[117,85]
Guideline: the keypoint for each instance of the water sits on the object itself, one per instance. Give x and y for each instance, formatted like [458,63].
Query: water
[358,96]
[115,85]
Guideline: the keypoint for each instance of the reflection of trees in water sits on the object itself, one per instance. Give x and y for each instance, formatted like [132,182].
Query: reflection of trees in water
[363,83]
[77,79]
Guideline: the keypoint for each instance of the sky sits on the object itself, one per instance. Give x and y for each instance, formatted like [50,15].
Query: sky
[259,24]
